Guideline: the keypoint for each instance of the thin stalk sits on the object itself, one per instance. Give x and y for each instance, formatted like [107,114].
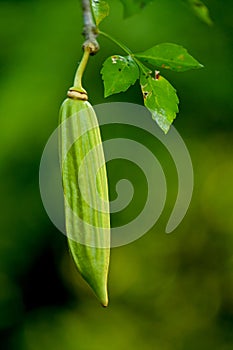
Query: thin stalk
[143,68]
[118,43]
[79,73]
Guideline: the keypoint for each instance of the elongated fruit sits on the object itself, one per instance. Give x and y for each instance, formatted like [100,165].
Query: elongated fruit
[85,192]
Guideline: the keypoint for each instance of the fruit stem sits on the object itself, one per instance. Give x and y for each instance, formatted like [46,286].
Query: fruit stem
[80,71]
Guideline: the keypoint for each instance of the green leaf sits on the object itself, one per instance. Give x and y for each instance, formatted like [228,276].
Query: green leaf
[100,10]
[201,10]
[131,7]
[118,74]
[161,99]
[169,56]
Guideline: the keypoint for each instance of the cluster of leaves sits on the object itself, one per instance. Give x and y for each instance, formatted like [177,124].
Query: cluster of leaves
[120,72]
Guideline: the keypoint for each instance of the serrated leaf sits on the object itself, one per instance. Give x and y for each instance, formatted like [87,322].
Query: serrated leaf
[100,10]
[169,56]
[119,73]
[161,99]
[201,10]
[131,7]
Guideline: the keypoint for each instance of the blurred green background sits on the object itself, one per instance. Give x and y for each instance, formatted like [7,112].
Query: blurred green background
[170,292]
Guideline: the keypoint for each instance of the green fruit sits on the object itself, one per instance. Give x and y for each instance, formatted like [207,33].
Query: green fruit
[88,228]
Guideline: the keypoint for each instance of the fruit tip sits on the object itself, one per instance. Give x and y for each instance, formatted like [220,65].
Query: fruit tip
[105,305]
[104,302]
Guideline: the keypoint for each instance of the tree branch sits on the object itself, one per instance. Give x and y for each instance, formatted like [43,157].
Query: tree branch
[89,31]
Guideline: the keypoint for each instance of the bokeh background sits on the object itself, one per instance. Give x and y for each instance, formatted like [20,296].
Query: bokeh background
[170,292]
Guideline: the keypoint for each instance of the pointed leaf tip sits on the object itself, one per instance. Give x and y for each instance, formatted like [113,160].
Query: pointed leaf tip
[161,100]
[169,56]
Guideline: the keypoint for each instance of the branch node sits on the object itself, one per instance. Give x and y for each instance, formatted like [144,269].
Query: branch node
[90,31]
